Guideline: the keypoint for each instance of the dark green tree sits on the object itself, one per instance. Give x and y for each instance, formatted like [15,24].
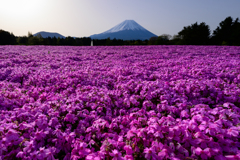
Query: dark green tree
[54,41]
[196,34]
[61,41]
[227,33]
[176,40]
[22,40]
[236,33]
[70,41]
[86,41]
[108,41]
[33,41]
[30,34]
[7,38]
[152,40]
[163,39]
[40,39]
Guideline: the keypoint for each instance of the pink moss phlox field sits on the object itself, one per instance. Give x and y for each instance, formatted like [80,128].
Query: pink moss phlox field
[123,102]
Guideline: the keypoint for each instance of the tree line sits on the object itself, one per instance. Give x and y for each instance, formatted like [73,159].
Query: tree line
[227,33]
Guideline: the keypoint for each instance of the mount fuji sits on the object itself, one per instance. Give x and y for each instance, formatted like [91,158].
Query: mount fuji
[127,30]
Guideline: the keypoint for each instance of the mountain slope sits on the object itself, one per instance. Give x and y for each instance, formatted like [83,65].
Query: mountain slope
[49,34]
[127,30]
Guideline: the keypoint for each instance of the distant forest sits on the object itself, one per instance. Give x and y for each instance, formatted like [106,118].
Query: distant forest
[227,33]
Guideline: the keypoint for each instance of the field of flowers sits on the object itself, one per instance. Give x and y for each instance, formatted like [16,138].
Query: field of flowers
[122,102]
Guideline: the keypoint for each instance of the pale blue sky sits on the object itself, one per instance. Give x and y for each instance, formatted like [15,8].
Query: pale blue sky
[81,18]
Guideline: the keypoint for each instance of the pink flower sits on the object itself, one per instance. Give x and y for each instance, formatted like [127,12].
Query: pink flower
[116,155]
[29,146]
[47,153]
[157,146]
[70,118]
[24,126]
[149,153]
[128,157]
[213,129]
[80,150]
[182,150]
[193,125]
[42,121]
[39,135]
[233,132]
[170,133]
[202,153]
[147,104]
[163,153]
[20,154]
[134,101]
[158,134]
[43,153]
[34,155]
[184,114]
[128,150]
[200,135]
[203,126]
[53,122]
[12,135]
[232,157]
[131,133]
[93,156]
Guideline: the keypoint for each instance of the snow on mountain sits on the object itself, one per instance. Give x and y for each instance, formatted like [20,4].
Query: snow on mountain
[127,30]
[126,25]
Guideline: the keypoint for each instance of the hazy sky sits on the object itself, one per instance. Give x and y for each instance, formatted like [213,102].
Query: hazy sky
[81,18]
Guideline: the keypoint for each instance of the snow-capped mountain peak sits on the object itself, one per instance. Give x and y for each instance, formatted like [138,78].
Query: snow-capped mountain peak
[127,30]
[126,25]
